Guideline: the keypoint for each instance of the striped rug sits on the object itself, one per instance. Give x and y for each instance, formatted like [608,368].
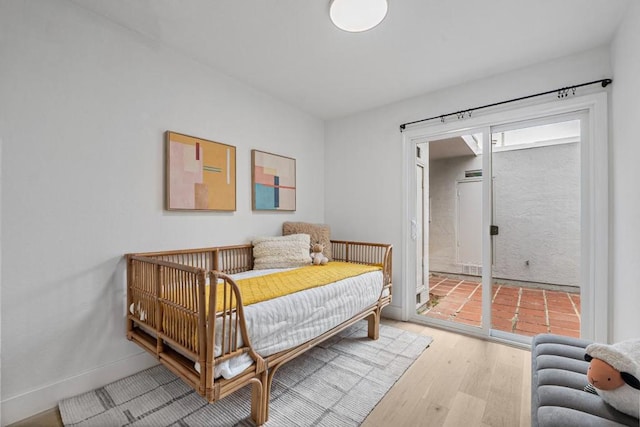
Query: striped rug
[335,384]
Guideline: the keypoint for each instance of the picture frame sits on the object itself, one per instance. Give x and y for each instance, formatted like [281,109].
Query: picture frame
[200,174]
[273,182]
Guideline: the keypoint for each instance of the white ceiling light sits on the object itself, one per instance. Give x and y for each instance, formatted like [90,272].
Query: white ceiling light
[357,15]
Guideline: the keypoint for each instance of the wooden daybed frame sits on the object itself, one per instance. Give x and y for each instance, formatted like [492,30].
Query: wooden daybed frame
[178,333]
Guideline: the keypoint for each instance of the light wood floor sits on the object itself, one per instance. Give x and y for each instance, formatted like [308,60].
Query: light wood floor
[457,381]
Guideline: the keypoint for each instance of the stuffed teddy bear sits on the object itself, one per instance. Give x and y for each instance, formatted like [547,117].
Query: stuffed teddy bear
[614,372]
[317,257]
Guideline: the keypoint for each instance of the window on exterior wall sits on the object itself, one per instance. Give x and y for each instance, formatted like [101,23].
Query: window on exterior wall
[537,136]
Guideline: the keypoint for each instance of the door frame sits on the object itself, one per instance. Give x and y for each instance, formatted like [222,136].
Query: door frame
[421,267]
[595,323]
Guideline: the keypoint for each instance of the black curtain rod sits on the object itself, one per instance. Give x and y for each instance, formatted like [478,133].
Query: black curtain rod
[562,93]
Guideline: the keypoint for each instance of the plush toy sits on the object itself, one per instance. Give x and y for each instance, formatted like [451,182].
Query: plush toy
[137,311]
[317,257]
[614,372]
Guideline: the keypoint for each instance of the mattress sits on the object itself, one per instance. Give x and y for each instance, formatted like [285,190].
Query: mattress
[288,321]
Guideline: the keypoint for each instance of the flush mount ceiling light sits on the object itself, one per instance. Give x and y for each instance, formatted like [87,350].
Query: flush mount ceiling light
[357,15]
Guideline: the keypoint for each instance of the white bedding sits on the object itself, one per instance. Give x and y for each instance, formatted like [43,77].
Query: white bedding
[285,322]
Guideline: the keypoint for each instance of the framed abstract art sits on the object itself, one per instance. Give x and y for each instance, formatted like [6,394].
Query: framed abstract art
[200,174]
[273,182]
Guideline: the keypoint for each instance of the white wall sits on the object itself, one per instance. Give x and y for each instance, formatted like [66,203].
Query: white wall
[625,197]
[84,104]
[0,278]
[363,152]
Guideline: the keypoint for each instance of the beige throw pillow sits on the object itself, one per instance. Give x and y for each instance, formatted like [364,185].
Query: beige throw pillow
[281,251]
[319,233]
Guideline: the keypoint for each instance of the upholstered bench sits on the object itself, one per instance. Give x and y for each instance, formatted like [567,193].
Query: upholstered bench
[557,387]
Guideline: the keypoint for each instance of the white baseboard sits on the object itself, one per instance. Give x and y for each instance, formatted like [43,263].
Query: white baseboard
[24,405]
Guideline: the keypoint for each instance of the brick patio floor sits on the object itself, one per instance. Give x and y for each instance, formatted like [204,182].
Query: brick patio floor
[520,310]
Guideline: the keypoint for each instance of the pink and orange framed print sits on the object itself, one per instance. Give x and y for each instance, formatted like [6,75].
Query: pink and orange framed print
[273,180]
[201,174]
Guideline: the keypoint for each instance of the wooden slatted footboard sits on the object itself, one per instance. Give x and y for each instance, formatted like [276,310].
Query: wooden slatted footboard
[174,317]
[168,316]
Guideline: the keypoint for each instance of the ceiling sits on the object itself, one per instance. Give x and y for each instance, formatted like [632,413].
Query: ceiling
[290,49]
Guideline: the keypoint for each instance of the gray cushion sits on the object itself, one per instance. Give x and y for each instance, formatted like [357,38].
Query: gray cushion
[556,416]
[558,379]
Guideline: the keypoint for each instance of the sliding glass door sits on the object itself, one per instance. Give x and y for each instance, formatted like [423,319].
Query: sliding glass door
[536,233]
[454,246]
[505,227]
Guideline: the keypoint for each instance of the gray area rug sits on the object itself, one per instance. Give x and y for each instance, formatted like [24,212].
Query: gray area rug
[334,384]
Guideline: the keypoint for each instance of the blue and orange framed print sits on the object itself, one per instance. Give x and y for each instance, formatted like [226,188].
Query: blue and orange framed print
[273,180]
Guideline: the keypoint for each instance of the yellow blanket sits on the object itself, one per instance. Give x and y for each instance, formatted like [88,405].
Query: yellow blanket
[263,288]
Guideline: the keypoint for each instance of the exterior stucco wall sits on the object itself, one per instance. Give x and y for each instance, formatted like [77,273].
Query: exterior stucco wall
[443,175]
[536,206]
